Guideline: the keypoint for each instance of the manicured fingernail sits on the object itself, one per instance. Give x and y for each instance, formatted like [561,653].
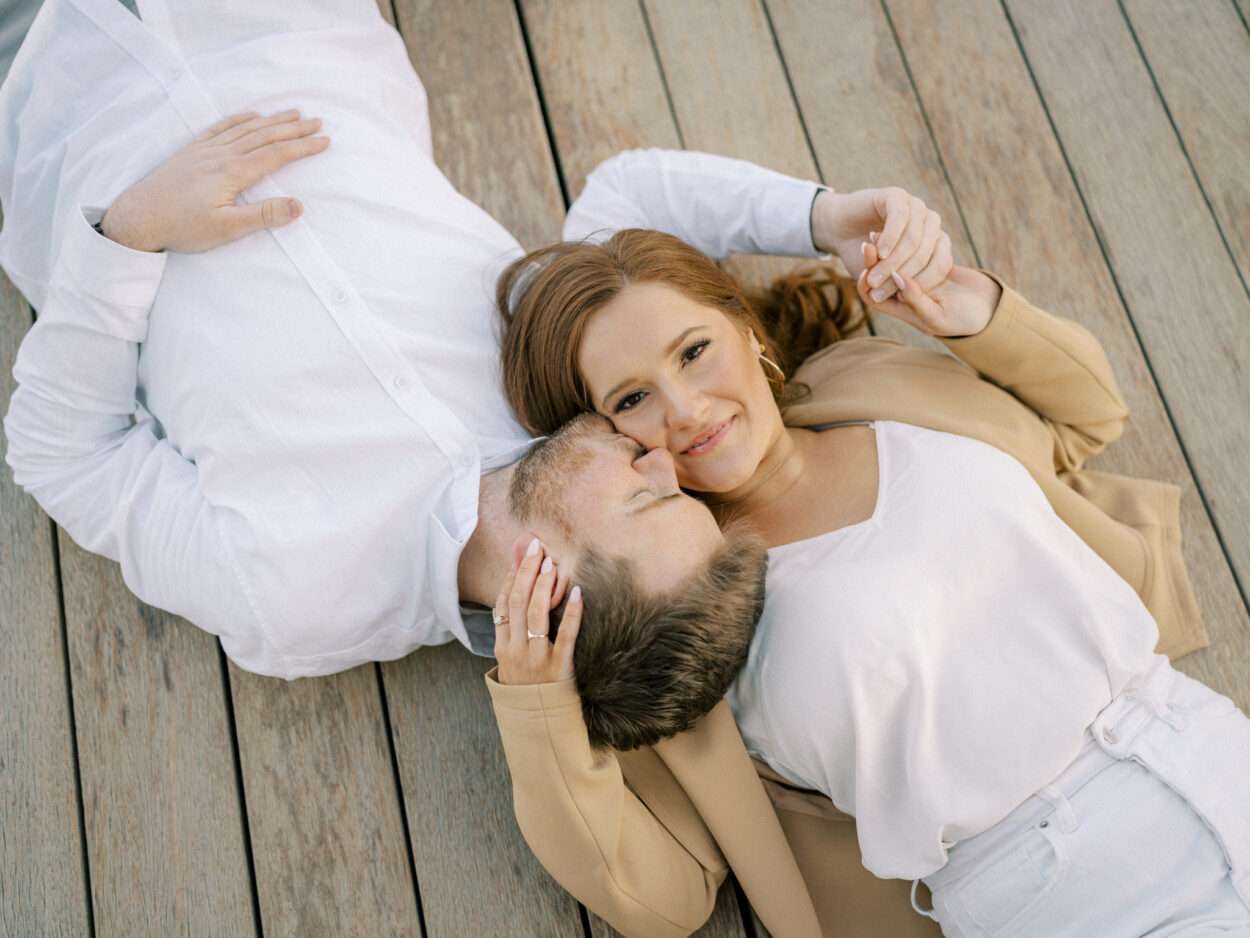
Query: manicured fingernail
[875,278]
[296,209]
[547,565]
[864,250]
[884,252]
[878,295]
[575,596]
[534,547]
[898,281]
[873,236]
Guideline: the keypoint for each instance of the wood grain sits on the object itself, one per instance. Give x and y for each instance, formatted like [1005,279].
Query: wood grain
[1181,288]
[327,833]
[42,879]
[1206,97]
[730,95]
[476,874]
[163,817]
[601,83]
[488,130]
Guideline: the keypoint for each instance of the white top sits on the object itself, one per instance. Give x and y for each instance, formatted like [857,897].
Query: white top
[314,404]
[932,667]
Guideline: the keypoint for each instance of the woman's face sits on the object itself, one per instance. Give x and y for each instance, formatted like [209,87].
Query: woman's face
[672,373]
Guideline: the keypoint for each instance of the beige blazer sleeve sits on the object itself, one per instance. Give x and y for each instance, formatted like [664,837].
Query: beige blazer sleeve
[1056,367]
[584,824]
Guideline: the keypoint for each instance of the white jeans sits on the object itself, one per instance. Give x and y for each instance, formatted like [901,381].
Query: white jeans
[1146,833]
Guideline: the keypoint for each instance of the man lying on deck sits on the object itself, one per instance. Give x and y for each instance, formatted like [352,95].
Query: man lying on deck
[264,376]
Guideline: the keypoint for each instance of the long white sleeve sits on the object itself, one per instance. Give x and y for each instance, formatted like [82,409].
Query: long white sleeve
[720,205]
[110,482]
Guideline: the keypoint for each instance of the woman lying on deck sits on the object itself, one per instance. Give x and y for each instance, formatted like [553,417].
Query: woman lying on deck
[966,640]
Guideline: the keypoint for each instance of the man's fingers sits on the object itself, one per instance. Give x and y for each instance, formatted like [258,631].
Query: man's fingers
[237,131]
[286,130]
[931,233]
[225,124]
[891,307]
[939,266]
[570,625]
[895,209]
[272,213]
[273,156]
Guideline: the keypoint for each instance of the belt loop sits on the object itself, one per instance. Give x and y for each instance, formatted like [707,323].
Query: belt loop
[914,884]
[1063,809]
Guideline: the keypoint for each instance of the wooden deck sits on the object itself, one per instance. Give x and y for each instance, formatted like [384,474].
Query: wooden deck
[1093,152]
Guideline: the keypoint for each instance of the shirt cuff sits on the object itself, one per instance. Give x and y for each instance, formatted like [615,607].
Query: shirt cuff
[789,203]
[112,285]
[552,696]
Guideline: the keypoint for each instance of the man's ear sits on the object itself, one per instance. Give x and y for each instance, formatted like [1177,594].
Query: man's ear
[520,546]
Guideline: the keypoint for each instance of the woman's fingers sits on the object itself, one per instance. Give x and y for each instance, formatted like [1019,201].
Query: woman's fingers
[891,307]
[539,614]
[503,629]
[924,308]
[522,589]
[570,625]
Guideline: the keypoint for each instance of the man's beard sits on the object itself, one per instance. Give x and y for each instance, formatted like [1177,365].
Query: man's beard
[543,475]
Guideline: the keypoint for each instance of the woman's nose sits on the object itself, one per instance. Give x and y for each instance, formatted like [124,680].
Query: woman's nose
[686,408]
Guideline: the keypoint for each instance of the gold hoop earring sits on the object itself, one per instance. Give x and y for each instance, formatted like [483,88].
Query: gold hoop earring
[774,366]
[759,351]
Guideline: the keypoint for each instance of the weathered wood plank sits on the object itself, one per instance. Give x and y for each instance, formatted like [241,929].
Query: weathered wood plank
[484,112]
[326,828]
[164,822]
[42,878]
[1200,56]
[730,94]
[476,874]
[1181,288]
[601,83]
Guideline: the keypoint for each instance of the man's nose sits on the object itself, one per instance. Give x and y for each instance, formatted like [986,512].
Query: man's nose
[658,469]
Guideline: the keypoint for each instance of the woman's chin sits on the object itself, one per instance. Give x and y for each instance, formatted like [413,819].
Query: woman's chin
[709,481]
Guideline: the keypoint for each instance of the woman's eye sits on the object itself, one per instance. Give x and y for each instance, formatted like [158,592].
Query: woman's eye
[694,351]
[628,402]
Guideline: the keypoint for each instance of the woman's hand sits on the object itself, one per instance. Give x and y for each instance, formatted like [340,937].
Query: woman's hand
[912,240]
[188,202]
[962,305]
[523,607]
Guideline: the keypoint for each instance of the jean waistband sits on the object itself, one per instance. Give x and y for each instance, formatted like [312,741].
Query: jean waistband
[1126,715]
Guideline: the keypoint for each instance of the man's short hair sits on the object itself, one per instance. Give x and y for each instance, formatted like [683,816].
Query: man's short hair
[649,666]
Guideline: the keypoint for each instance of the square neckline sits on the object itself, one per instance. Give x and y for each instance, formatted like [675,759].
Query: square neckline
[878,505]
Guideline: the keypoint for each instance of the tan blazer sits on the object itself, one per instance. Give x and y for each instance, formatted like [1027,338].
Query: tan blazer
[645,838]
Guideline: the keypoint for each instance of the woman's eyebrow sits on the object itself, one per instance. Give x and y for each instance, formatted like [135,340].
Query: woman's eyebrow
[667,352]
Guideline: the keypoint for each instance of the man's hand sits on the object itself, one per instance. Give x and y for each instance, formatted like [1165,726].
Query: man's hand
[522,610]
[188,202]
[911,241]
[962,305]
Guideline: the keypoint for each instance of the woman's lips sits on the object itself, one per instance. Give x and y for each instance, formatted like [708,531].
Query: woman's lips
[708,441]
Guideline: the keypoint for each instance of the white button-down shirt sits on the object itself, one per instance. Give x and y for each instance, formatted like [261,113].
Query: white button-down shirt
[282,439]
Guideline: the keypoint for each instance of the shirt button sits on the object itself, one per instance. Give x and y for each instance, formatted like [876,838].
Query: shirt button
[399,383]
[1109,735]
[339,295]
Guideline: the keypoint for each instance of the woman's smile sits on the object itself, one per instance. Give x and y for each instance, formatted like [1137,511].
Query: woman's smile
[710,438]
